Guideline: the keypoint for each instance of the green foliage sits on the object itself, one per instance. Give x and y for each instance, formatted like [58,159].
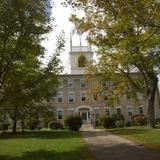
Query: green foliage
[119,123]
[56,125]
[82,61]
[108,122]
[126,35]
[74,122]
[33,124]
[139,120]
[46,145]
[24,25]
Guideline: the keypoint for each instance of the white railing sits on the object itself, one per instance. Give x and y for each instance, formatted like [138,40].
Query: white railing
[81,49]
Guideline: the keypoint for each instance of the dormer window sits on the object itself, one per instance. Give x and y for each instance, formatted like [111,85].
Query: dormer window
[82,61]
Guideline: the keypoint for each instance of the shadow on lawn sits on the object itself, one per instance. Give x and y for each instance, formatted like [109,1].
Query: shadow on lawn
[129,131]
[117,131]
[48,155]
[58,134]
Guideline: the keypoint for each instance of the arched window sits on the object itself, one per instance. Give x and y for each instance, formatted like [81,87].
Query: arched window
[82,60]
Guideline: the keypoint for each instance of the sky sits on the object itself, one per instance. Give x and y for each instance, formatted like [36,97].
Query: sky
[61,22]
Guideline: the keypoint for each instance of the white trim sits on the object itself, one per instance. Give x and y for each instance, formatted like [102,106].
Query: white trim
[73,97]
[84,82]
[61,83]
[71,80]
[129,107]
[81,96]
[84,107]
[119,107]
[62,113]
[62,97]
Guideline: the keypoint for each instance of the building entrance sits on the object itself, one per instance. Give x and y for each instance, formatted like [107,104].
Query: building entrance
[86,115]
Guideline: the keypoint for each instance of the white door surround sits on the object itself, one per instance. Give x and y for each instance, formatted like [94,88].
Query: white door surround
[85,112]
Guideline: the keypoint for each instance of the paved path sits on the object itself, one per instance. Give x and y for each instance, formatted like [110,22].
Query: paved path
[106,146]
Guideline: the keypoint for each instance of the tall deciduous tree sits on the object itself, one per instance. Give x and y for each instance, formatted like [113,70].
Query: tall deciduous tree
[24,80]
[127,35]
[23,25]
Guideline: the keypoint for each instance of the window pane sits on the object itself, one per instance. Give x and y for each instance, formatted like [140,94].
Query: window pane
[60,114]
[71,97]
[118,110]
[70,84]
[107,111]
[130,111]
[82,83]
[83,97]
[141,110]
[60,97]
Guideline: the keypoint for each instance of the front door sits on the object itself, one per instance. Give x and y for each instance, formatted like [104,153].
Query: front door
[84,117]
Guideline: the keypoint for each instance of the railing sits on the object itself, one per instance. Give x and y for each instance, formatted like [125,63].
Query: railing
[81,49]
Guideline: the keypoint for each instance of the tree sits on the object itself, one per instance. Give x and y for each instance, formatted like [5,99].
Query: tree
[24,25]
[127,35]
[24,80]
[82,61]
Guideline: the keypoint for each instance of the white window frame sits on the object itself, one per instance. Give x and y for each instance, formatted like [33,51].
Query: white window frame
[118,108]
[82,96]
[142,109]
[62,97]
[97,109]
[69,97]
[94,83]
[130,111]
[82,80]
[108,110]
[72,81]
[58,114]
[61,82]
[93,97]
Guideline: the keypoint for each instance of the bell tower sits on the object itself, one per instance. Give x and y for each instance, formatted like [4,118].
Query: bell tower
[79,56]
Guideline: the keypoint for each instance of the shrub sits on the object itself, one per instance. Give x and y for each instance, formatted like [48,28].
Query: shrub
[33,124]
[119,123]
[139,120]
[56,125]
[74,122]
[128,124]
[4,126]
[108,122]
[118,117]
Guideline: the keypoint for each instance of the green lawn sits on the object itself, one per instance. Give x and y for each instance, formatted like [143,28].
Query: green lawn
[43,145]
[143,135]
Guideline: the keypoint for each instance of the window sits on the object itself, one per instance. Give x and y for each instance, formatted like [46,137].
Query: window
[130,111]
[94,83]
[70,111]
[118,110]
[141,110]
[60,114]
[97,113]
[107,111]
[82,83]
[60,97]
[61,83]
[70,97]
[82,61]
[70,83]
[83,97]
[95,97]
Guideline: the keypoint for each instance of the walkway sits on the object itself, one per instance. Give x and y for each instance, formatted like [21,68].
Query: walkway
[106,146]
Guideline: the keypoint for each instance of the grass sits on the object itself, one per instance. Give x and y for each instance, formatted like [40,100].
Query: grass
[139,134]
[43,145]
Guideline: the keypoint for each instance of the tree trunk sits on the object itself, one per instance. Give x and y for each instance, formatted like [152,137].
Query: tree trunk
[15,119]
[151,100]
